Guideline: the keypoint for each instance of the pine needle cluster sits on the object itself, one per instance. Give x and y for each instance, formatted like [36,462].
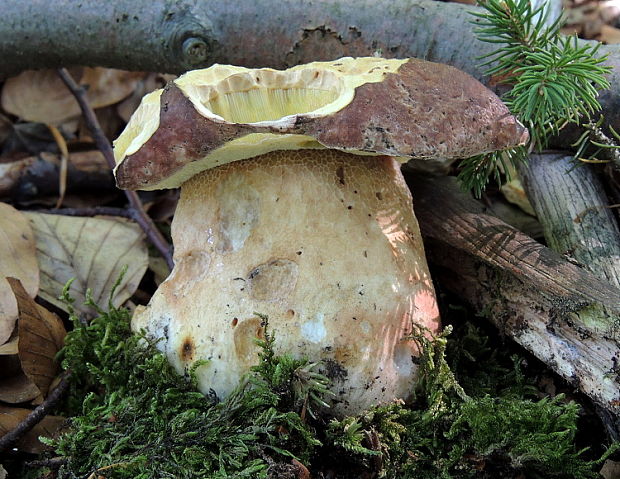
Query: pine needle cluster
[554,80]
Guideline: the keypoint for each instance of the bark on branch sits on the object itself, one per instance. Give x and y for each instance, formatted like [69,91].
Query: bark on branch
[570,201]
[159,35]
[564,315]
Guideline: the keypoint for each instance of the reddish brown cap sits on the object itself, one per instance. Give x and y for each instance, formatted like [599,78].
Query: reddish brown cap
[403,108]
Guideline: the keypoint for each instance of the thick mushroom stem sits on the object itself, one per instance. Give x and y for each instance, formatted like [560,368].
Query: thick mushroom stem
[323,242]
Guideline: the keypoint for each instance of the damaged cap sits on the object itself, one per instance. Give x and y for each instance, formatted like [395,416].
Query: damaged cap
[403,108]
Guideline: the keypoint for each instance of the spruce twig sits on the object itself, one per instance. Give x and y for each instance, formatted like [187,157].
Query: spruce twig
[607,147]
[554,80]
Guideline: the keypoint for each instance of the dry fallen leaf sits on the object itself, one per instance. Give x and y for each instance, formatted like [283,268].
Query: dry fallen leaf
[37,176]
[513,192]
[109,121]
[2,472]
[17,259]
[609,35]
[15,387]
[152,81]
[48,427]
[26,139]
[92,251]
[41,336]
[41,96]
[160,269]
[5,129]
[10,347]
[611,469]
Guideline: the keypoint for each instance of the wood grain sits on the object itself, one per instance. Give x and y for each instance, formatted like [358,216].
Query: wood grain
[561,313]
[570,201]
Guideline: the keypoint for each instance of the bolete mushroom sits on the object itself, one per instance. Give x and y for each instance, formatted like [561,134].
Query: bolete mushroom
[293,205]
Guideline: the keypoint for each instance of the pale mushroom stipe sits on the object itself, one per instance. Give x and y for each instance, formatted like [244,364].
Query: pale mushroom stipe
[293,206]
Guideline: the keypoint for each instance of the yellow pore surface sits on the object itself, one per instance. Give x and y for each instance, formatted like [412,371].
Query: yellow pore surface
[242,95]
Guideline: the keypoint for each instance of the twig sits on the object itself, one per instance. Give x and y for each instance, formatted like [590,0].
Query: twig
[608,147]
[37,415]
[64,164]
[54,462]
[591,209]
[93,211]
[135,205]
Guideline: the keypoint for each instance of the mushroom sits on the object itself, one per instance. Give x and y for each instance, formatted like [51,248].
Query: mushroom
[293,205]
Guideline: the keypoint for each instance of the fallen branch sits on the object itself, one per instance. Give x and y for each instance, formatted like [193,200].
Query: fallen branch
[37,415]
[53,463]
[135,205]
[158,35]
[570,202]
[38,176]
[562,314]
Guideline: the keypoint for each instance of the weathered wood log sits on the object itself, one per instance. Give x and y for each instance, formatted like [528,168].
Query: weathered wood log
[570,202]
[515,217]
[561,313]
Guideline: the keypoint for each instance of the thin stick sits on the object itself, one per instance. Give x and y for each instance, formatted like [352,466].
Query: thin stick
[54,462]
[93,211]
[135,205]
[37,415]
[64,164]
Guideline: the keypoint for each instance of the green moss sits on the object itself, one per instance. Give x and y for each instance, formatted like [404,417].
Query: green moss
[134,417]
[449,434]
[137,418]
[482,368]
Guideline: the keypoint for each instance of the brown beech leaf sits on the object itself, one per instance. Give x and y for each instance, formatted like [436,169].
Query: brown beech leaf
[41,96]
[10,347]
[17,389]
[160,269]
[514,193]
[41,335]
[92,252]
[17,259]
[611,469]
[48,427]
[5,128]
[37,176]
[152,81]
[609,35]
